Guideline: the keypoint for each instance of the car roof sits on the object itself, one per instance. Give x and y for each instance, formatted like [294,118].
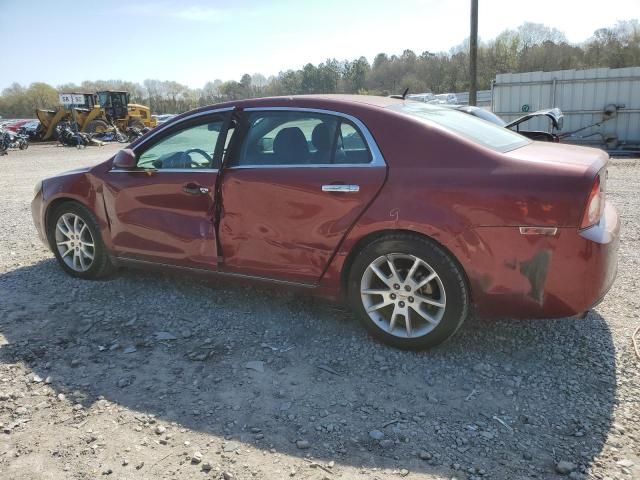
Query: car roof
[320,101]
[332,99]
[339,102]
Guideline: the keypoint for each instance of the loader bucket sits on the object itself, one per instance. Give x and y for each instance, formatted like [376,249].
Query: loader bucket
[48,121]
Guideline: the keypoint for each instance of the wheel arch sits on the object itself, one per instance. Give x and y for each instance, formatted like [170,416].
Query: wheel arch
[101,265]
[51,207]
[376,235]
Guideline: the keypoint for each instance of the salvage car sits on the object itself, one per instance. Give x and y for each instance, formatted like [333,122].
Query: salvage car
[160,119]
[15,125]
[414,214]
[421,97]
[555,116]
[30,129]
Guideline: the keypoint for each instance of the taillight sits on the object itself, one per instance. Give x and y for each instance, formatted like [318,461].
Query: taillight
[595,202]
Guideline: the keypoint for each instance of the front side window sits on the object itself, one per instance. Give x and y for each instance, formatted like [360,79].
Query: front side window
[300,138]
[190,148]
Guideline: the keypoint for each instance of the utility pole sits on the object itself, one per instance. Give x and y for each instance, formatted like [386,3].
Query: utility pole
[473,54]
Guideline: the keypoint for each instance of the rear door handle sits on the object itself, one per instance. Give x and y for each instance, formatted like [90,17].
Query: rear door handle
[194,189]
[341,188]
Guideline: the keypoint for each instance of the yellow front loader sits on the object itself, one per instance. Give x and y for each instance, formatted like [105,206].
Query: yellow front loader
[118,111]
[99,113]
[84,114]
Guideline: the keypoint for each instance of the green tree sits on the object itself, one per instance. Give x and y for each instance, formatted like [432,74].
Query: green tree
[528,47]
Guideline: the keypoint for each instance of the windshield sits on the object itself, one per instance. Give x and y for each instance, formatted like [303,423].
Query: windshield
[472,128]
[102,98]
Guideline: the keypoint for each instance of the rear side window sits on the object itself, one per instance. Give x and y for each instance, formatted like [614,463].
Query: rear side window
[478,131]
[299,138]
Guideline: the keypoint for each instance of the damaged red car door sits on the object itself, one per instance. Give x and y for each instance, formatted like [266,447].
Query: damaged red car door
[163,209]
[295,182]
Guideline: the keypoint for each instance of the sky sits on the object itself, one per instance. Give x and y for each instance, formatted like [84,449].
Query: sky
[195,41]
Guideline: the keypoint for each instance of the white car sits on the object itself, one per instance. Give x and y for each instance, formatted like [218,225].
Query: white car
[446,98]
[163,118]
[422,97]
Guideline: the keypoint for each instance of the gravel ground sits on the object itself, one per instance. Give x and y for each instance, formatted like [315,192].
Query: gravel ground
[150,375]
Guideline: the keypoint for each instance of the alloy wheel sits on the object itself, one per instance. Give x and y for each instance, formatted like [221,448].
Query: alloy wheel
[403,295]
[75,242]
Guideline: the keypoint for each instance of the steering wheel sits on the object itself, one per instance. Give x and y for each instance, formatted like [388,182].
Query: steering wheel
[201,152]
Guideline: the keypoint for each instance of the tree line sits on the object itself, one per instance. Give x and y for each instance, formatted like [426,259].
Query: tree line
[530,47]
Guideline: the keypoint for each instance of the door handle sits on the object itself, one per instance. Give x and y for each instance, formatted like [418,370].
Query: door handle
[341,188]
[194,189]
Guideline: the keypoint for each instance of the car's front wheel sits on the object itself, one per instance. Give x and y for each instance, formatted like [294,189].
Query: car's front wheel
[76,242]
[408,291]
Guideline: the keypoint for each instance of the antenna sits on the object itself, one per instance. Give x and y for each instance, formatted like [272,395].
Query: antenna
[401,97]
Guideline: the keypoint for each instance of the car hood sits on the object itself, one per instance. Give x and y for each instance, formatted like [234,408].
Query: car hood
[75,171]
[554,114]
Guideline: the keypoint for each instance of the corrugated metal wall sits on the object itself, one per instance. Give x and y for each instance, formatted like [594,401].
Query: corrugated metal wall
[483,98]
[582,95]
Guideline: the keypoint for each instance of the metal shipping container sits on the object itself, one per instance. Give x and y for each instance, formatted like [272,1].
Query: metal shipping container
[586,97]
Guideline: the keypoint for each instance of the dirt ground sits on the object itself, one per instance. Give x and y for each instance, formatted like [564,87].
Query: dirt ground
[152,375]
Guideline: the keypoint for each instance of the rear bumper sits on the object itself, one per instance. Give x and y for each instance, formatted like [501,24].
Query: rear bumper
[533,276]
[603,241]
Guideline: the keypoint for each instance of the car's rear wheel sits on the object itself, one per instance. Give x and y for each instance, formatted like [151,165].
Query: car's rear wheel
[76,242]
[408,291]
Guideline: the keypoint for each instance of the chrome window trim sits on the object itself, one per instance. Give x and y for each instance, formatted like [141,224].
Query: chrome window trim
[158,130]
[307,165]
[165,170]
[377,158]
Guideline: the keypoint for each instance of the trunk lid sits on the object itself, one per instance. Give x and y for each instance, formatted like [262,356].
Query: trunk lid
[585,160]
[554,114]
[556,175]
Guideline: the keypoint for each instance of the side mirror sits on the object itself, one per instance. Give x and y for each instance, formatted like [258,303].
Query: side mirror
[125,159]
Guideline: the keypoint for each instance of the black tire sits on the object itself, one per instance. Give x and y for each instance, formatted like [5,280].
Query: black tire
[450,274]
[24,145]
[97,126]
[101,267]
[121,137]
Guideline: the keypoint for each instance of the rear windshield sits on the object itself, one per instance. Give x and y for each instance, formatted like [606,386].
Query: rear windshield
[479,131]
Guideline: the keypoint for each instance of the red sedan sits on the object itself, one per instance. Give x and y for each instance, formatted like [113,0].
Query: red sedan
[413,213]
[15,126]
